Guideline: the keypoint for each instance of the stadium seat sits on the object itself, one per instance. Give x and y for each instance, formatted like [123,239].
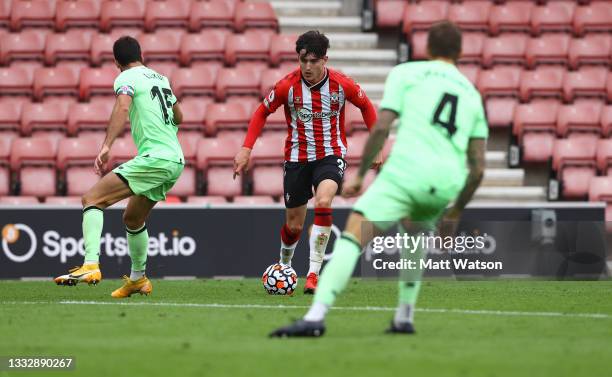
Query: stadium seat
[123,150]
[553,17]
[471,16]
[604,156]
[75,157]
[10,117]
[600,190]
[80,179]
[353,119]
[159,46]
[91,116]
[355,144]
[606,120]
[505,49]
[186,184]
[389,13]
[282,48]
[268,180]
[418,46]
[216,152]
[351,173]
[18,200]
[609,88]
[219,182]
[586,82]
[32,13]
[595,17]
[592,49]
[46,116]
[209,14]
[254,15]
[5,14]
[5,151]
[165,68]
[252,45]
[422,15]
[574,163]
[269,78]
[580,119]
[471,48]
[225,116]
[170,13]
[548,49]
[55,81]
[535,126]
[269,149]
[15,81]
[96,81]
[237,81]
[470,71]
[205,45]
[34,160]
[194,111]
[63,200]
[102,47]
[512,16]
[500,111]
[67,46]
[126,13]
[542,82]
[206,200]
[198,81]
[77,14]
[258,200]
[27,45]
[499,81]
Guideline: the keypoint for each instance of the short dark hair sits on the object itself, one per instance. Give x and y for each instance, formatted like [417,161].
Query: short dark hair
[127,50]
[313,42]
[444,40]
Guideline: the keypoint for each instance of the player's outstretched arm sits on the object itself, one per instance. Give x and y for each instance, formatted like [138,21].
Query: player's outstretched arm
[115,127]
[178,114]
[258,120]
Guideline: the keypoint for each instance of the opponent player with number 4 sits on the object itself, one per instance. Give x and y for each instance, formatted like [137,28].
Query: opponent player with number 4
[154,114]
[313,98]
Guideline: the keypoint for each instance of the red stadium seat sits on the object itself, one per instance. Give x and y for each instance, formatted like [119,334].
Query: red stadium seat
[206,45]
[189,146]
[77,14]
[351,173]
[600,189]
[499,81]
[18,200]
[592,49]
[418,46]
[473,15]
[15,81]
[215,13]
[471,48]
[37,13]
[596,17]
[10,117]
[505,49]
[353,119]
[159,46]
[254,15]
[5,151]
[102,47]
[609,88]
[215,158]
[75,157]
[606,120]
[167,13]
[574,162]
[548,49]
[604,156]
[96,81]
[512,16]
[34,160]
[194,81]
[165,68]
[586,82]
[470,71]
[225,116]
[5,14]
[237,81]
[72,45]
[580,118]
[535,126]
[28,44]
[268,180]
[92,116]
[63,200]
[269,78]
[355,144]
[276,121]
[542,82]
[194,111]
[206,200]
[44,117]
[126,13]
[55,81]
[422,15]
[500,111]
[269,149]
[253,200]
[123,150]
[80,179]
[554,17]
[252,45]
[186,184]
[282,48]
[389,13]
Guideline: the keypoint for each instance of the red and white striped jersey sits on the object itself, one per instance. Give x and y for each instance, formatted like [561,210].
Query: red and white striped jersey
[315,113]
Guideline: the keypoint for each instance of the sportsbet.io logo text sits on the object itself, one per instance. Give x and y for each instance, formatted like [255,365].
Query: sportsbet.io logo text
[20,243]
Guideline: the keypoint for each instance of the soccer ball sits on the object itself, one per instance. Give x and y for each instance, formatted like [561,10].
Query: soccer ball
[279,279]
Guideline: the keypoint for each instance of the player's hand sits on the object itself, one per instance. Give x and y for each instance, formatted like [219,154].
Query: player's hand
[378,161]
[102,161]
[353,188]
[241,161]
[449,223]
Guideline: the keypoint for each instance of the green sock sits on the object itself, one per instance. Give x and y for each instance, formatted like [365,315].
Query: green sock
[138,245]
[338,270]
[93,220]
[409,282]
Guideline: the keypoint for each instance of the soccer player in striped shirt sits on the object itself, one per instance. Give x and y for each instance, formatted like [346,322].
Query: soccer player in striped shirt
[313,98]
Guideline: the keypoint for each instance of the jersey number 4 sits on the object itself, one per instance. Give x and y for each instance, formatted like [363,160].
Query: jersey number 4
[164,101]
[447,99]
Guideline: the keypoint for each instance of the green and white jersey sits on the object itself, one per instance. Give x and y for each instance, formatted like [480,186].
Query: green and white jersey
[151,115]
[439,110]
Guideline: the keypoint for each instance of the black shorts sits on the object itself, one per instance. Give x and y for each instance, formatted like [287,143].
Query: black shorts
[301,177]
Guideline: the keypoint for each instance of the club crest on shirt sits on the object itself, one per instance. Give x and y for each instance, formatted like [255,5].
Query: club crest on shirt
[333,97]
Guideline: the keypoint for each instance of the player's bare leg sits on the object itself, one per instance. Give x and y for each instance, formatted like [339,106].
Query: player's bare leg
[291,231]
[106,192]
[321,230]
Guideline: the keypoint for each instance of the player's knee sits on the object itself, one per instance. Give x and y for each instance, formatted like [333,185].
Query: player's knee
[131,221]
[295,228]
[323,201]
[89,200]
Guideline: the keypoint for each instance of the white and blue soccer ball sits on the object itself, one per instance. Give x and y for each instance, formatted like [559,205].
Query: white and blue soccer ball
[279,279]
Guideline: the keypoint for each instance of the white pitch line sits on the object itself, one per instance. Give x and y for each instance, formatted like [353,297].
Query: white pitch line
[347,308]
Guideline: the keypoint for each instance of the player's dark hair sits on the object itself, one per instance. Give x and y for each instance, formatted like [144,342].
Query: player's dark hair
[444,40]
[127,50]
[313,42]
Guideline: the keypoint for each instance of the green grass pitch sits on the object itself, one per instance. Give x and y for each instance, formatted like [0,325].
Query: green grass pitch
[486,328]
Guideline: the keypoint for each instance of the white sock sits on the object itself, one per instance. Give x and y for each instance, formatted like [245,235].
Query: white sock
[87,263]
[317,312]
[319,237]
[286,252]
[135,275]
[403,314]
